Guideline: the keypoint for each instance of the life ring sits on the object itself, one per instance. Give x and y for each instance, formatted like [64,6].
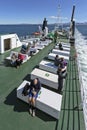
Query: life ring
[36,33]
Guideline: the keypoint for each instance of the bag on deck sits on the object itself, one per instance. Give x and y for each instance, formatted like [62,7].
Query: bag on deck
[26,89]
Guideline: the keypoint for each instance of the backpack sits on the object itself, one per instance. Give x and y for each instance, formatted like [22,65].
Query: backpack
[26,89]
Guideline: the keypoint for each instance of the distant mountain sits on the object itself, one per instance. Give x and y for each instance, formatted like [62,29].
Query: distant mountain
[84,23]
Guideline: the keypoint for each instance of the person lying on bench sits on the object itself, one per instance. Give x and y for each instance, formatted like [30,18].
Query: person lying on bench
[57,61]
[60,46]
[35,87]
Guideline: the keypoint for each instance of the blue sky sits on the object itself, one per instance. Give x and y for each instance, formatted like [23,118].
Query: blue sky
[34,11]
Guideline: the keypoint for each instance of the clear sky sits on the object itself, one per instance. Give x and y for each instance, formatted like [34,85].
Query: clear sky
[34,11]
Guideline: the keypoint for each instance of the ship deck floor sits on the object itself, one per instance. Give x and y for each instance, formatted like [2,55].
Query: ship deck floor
[14,113]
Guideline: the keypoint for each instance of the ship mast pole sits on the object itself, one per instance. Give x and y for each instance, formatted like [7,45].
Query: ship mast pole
[58,24]
[72,27]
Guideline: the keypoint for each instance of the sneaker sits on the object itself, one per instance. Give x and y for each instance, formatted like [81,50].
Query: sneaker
[33,113]
[30,111]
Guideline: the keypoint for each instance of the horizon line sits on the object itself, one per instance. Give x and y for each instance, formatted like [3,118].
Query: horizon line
[39,23]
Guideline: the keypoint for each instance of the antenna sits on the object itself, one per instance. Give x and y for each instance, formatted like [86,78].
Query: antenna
[73,13]
[59,20]
[58,16]
[72,27]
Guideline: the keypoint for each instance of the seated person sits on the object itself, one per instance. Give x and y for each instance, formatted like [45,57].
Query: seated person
[35,87]
[13,59]
[21,57]
[32,50]
[60,46]
[63,64]
[34,43]
[16,61]
[28,49]
[23,49]
[57,61]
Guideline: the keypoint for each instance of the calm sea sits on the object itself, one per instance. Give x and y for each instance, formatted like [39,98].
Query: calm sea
[23,30]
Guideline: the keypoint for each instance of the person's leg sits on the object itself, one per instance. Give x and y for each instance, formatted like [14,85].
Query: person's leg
[30,103]
[60,85]
[30,53]
[20,62]
[34,104]
[17,64]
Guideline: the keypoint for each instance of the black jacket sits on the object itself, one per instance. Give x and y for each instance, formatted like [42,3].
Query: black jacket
[36,87]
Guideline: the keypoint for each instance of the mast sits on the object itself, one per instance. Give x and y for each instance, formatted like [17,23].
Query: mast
[58,18]
[73,22]
[72,27]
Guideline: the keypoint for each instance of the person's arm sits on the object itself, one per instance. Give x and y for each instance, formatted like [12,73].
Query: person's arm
[64,68]
[39,87]
[31,85]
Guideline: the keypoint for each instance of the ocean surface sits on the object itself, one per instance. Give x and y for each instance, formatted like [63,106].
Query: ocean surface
[27,29]
[81,53]
[21,30]
[82,29]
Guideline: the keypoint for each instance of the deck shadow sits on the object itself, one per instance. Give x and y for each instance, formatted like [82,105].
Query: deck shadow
[3,63]
[36,66]
[43,116]
[56,127]
[27,77]
[45,58]
[20,106]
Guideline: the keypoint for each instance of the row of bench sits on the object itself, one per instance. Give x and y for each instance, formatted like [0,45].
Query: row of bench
[47,101]
[41,45]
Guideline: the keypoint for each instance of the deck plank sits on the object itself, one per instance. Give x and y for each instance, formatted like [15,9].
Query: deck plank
[71,115]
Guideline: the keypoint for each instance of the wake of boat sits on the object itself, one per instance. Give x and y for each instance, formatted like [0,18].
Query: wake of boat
[81,50]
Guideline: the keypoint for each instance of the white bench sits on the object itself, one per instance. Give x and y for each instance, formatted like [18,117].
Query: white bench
[61,52]
[48,66]
[36,52]
[47,101]
[52,56]
[64,48]
[44,43]
[32,50]
[9,57]
[65,45]
[39,46]
[46,78]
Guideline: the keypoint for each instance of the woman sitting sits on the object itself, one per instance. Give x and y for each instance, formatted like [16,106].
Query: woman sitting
[57,61]
[23,49]
[60,46]
[16,60]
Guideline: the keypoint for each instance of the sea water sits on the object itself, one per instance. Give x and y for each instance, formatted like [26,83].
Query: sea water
[81,49]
